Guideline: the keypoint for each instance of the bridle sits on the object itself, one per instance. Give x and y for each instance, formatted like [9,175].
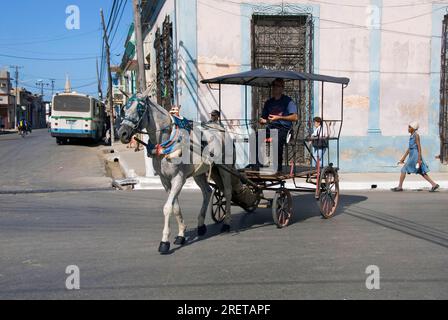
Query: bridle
[143,112]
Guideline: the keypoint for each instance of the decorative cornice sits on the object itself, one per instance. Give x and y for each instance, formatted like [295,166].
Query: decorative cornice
[285,9]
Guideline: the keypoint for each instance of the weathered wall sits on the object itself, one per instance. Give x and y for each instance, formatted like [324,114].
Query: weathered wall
[390,49]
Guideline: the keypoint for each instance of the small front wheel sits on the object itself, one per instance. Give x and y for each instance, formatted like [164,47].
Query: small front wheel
[218,206]
[282,208]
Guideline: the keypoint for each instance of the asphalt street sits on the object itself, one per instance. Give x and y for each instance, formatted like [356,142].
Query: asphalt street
[36,162]
[113,237]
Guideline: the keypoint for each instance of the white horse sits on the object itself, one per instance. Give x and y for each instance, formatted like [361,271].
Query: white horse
[142,113]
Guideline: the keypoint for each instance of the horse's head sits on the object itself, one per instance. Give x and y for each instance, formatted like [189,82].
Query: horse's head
[136,111]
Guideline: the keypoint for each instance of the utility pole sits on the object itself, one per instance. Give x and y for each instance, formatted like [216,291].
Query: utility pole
[139,45]
[52,87]
[16,77]
[109,74]
[100,90]
[41,84]
[141,70]
[177,52]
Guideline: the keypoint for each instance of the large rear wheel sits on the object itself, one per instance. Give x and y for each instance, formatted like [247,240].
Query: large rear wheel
[329,193]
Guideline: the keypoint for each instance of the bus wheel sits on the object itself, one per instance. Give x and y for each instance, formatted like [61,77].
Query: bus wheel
[61,141]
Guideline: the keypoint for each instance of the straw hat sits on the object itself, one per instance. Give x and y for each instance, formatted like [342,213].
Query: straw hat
[414,125]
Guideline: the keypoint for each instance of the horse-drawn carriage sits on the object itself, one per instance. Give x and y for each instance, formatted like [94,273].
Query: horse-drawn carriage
[246,187]
[321,180]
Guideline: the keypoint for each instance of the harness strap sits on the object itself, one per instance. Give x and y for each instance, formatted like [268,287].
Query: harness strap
[169,146]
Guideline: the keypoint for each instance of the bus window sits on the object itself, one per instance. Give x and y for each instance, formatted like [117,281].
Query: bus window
[71,104]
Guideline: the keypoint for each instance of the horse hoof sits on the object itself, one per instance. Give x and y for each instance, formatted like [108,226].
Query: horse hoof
[225,228]
[164,247]
[202,230]
[180,241]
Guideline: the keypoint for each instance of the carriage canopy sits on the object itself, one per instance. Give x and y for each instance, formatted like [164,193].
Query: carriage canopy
[264,78]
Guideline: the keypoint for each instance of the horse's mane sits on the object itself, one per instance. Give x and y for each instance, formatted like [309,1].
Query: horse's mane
[159,108]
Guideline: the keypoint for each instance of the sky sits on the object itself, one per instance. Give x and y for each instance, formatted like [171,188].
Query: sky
[36,30]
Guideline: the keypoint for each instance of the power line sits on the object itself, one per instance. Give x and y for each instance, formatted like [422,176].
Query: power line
[56,89]
[41,85]
[344,4]
[119,21]
[364,6]
[56,79]
[120,42]
[346,24]
[50,40]
[114,18]
[103,51]
[14,48]
[47,59]
[111,13]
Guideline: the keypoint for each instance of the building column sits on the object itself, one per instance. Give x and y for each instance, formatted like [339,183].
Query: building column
[375,17]
[187,64]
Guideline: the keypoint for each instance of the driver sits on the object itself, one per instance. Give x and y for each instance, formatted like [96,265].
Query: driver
[279,112]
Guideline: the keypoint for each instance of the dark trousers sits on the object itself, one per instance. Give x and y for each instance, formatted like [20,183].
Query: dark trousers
[282,136]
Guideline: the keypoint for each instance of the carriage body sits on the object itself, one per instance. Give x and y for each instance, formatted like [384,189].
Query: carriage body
[323,182]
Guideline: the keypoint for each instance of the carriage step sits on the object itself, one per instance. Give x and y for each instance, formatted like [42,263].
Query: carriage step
[265,205]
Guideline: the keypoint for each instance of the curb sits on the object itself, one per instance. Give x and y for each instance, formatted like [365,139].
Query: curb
[145,183]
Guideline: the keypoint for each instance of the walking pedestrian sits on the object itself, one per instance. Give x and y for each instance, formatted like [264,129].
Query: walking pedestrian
[415,163]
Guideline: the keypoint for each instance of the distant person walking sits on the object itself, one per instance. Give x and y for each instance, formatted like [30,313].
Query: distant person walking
[415,163]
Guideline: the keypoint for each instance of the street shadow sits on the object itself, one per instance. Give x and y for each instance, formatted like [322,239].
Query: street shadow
[17,138]
[84,143]
[305,207]
[405,226]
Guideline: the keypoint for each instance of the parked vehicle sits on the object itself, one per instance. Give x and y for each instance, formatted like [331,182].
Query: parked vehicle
[76,115]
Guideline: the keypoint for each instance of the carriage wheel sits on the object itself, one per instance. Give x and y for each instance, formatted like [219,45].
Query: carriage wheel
[218,206]
[282,208]
[329,194]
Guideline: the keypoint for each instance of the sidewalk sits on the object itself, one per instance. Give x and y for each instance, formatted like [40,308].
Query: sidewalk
[131,162]
[133,166]
[8,131]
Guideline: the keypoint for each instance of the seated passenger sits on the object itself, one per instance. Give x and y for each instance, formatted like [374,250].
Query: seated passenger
[319,140]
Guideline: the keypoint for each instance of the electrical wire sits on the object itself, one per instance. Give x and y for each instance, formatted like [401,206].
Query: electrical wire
[24,83]
[50,40]
[346,25]
[56,79]
[409,5]
[47,59]
[119,22]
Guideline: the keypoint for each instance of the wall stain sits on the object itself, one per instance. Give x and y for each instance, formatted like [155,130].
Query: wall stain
[357,102]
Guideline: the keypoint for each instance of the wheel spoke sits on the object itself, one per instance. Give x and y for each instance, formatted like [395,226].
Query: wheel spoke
[332,198]
[280,218]
[222,212]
